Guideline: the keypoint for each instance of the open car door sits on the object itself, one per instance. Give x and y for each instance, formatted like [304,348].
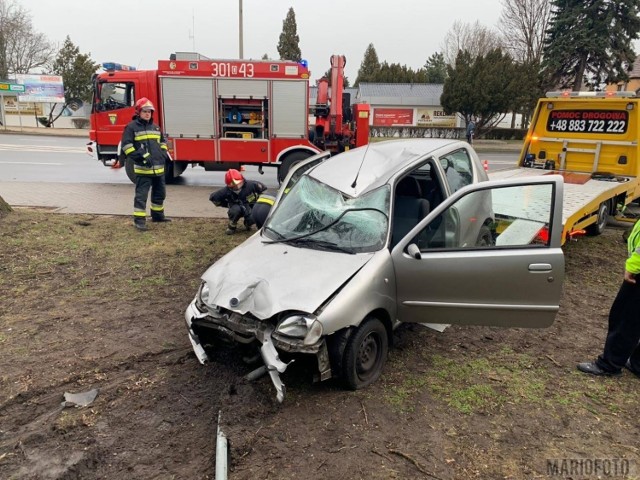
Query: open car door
[510,274]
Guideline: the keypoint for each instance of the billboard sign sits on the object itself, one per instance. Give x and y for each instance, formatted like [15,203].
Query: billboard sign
[41,88]
[388,117]
[434,117]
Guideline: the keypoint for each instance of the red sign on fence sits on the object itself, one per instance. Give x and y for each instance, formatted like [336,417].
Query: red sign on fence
[387,117]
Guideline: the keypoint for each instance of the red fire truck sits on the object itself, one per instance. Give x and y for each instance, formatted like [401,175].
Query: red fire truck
[222,114]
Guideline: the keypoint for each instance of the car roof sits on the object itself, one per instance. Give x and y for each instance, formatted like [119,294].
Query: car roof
[376,163]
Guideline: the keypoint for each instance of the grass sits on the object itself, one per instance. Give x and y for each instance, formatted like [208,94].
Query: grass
[497,381]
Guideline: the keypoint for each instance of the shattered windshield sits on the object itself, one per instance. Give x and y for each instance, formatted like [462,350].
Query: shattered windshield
[314,215]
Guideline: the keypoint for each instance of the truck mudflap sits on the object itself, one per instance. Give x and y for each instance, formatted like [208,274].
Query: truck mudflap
[272,362]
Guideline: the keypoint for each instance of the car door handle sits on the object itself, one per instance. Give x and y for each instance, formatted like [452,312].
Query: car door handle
[540,267]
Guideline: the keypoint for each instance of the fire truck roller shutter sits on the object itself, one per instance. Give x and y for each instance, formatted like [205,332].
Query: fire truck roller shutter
[187,106]
[289,109]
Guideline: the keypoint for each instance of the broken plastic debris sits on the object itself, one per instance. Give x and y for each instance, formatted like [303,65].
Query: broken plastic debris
[83,399]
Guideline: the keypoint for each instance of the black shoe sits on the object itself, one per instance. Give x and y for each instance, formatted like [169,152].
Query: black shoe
[230,231]
[160,219]
[592,368]
[628,367]
[142,226]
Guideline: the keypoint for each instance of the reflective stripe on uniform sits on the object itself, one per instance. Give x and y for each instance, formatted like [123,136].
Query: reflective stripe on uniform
[266,199]
[139,213]
[145,135]
[163,146]
[148,170]
[157,208]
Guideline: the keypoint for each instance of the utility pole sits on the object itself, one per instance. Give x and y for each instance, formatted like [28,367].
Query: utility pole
[240,31]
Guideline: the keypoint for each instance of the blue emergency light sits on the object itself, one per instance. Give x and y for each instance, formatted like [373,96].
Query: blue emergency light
[111,66]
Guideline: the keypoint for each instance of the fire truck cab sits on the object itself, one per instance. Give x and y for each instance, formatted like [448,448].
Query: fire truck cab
[218,114]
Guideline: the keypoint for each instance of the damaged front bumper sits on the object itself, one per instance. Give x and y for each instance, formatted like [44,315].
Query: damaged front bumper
[244,329]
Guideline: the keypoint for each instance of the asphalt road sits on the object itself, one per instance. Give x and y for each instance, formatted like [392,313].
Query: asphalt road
[56,172]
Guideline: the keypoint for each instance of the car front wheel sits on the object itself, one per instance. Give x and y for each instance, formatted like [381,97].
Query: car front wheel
[365,354]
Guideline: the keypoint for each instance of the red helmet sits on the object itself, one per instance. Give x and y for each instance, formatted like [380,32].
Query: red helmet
[233,178]
[145,103]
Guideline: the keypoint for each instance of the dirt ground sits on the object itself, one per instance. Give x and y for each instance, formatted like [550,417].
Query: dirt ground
[87,302]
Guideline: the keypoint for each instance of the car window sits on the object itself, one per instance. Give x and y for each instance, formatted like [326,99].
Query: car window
[313,210]
[457,168]
[514,216]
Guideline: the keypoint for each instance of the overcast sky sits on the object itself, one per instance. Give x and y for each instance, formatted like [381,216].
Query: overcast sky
[139,32]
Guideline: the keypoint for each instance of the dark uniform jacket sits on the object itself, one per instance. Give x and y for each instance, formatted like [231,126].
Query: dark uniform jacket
[143,143]
[246,196]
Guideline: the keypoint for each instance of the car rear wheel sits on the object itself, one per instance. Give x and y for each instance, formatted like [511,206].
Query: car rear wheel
[365,354]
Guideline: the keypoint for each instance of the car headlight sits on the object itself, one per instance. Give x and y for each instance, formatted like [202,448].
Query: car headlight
[302,326]
[203,295]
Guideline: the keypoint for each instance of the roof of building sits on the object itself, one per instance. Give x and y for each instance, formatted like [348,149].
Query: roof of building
[313,94]
[414,94]
[400,93]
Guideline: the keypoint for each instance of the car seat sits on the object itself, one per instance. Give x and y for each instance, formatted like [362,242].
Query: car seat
[409,208]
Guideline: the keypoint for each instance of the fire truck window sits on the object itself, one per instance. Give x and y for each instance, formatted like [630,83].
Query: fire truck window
[114,96]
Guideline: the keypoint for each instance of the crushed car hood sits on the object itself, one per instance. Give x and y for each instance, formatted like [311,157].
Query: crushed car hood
[267,278]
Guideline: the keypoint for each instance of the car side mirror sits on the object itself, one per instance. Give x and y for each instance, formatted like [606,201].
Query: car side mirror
[414,251]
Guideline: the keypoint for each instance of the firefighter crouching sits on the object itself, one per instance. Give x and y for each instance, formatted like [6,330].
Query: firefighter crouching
[261,209]
[238,196]
[145,145]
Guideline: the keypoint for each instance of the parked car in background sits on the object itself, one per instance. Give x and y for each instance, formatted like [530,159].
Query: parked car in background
[357,243]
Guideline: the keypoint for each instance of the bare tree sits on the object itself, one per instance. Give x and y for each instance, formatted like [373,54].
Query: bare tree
[21,48]
[475,38]
[523,24]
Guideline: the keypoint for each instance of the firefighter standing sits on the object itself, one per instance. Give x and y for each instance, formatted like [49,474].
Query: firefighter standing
[238,196]
[144,144]
[622,347]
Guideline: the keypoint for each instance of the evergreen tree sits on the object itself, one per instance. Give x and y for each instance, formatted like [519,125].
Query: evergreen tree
[483,88]
[436,68]
[590,41]
[369,67]
[76,70]
[289,44]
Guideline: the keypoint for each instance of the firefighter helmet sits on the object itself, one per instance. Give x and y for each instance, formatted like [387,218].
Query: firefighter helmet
[233,178]
[145,103]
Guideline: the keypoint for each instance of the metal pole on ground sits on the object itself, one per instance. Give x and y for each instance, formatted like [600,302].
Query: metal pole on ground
[221,452]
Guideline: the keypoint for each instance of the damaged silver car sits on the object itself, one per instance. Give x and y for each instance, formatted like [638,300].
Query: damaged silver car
[356,244]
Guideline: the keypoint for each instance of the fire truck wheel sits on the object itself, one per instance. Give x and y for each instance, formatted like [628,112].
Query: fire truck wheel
[128,168]
[289,161]
[168,173]
[601,223]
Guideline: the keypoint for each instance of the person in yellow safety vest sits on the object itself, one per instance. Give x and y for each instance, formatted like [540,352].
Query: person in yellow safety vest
[622,346]
[261,209]
[145,145]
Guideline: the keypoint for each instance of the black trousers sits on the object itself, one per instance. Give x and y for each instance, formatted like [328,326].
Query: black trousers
[624,330]
[156,184]
[236,212]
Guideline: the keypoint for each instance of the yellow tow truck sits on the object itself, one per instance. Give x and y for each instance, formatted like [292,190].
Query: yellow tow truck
[591,139]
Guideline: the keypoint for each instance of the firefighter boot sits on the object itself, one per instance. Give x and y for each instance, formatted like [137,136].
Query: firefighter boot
[160,218]
[231,229]
[140,223]
[247,224]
